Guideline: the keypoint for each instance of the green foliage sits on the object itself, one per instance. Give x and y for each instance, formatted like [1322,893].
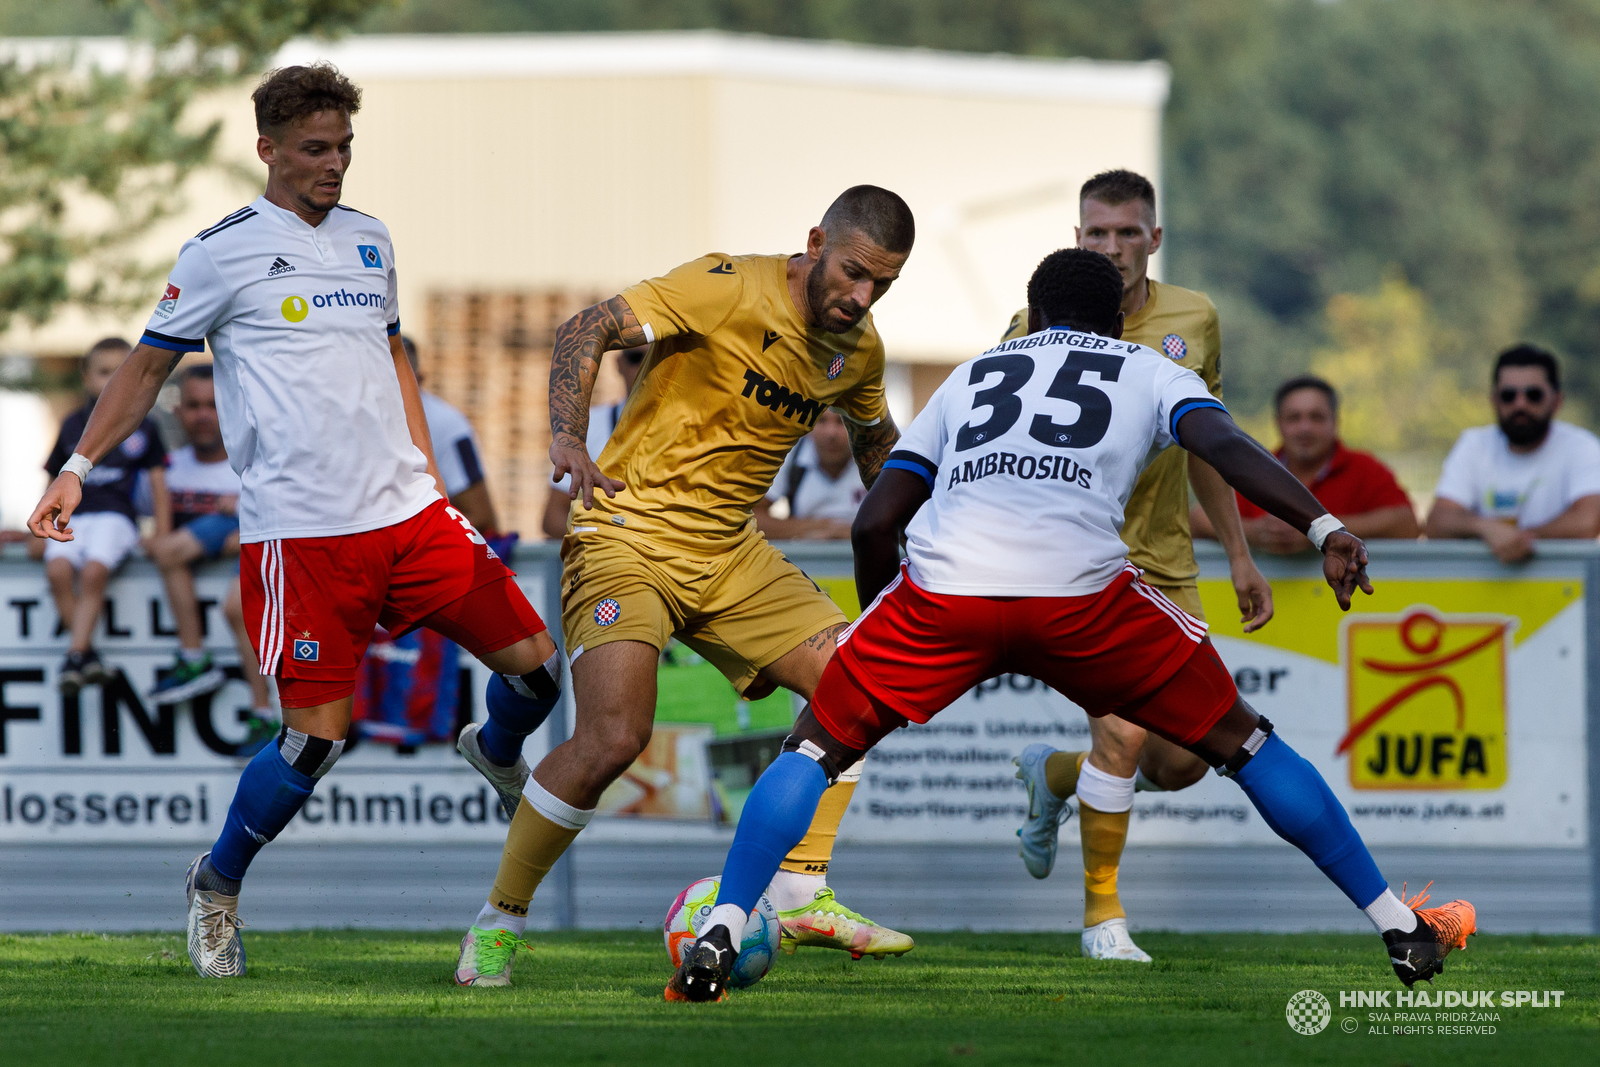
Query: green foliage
[1312,147]
[90,158]
[348,997]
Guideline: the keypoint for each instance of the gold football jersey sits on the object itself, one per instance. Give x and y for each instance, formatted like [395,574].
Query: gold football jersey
[1182,325]
[734,377]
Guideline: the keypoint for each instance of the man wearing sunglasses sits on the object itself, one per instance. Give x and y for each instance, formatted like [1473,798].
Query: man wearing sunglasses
[1529,477]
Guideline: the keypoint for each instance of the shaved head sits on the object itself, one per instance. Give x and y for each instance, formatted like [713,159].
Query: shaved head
[877,214]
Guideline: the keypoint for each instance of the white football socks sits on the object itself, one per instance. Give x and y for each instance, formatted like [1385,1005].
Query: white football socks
[1102,791]
[729,915]
[492,918]
[790,889]
[1388,913]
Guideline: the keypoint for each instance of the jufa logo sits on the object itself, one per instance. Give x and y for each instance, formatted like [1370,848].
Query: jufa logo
[279,266]
[1427,700]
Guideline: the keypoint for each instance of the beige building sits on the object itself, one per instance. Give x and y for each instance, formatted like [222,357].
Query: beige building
[525,175]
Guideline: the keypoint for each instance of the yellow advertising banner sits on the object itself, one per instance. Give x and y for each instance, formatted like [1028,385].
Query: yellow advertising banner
[1425,665]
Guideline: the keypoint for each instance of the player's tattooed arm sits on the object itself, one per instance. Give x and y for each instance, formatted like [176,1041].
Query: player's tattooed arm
[871,446]
[575,363]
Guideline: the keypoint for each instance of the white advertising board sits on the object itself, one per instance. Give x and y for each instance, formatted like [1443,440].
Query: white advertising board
[110,766]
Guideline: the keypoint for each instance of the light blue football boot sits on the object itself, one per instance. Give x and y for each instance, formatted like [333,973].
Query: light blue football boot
[1046,812]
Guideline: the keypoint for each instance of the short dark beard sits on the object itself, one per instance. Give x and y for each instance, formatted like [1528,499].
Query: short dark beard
[1523,430]
[817,295]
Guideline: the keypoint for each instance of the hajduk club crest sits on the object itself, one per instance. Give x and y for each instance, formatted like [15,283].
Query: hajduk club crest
[836,366]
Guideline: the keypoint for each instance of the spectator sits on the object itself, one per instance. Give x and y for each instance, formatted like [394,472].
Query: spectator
[1527,478]
[558,505]
[103,527]
[1354,486]
[204,490]
[820,485]
[455,450]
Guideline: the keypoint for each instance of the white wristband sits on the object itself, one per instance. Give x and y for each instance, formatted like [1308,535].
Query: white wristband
[1321,527]
[78,465]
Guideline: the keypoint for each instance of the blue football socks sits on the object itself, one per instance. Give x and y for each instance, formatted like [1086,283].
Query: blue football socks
[512,717]
[1295,801]
[270,793]
[776,816]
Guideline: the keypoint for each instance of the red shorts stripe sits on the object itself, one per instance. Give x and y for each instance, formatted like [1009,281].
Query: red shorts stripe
[312,602]
[1126,650]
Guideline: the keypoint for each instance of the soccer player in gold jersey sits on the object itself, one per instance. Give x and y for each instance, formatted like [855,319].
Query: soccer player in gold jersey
[745,353]
[1117,217]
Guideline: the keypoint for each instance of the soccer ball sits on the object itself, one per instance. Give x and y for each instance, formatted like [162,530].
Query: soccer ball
[688,914]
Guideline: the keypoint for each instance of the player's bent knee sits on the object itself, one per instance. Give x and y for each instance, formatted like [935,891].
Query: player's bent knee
[810,738]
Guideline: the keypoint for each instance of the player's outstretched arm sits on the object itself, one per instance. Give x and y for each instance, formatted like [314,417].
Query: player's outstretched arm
[123,404]
[580,342]
[1213,436]
[875,535]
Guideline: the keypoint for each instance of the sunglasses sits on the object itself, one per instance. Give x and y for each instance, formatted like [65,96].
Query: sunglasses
[1533,393]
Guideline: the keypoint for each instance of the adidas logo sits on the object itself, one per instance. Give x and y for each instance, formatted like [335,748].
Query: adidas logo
[279,266]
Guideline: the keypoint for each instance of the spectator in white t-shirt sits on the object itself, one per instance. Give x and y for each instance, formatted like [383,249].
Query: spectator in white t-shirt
[1527,479]
[818,484]
[602,421]
[455,450]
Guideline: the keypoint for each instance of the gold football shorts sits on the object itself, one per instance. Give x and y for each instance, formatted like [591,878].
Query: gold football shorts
[1186,597]
[742,611]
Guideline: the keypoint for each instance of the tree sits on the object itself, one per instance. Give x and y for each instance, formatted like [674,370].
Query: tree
[90,157]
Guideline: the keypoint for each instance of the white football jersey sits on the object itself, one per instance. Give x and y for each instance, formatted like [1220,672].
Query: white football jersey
[299,319]
[195,487]
[1031,451]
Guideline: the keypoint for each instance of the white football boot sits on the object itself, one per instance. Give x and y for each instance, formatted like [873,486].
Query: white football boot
[507,781]
[215,948]
[1046,812]
[1110,941]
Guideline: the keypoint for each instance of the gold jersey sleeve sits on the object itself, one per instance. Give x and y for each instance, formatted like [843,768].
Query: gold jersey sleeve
[1182,325]
[733,379]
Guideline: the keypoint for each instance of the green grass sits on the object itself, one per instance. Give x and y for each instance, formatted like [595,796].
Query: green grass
[386,998]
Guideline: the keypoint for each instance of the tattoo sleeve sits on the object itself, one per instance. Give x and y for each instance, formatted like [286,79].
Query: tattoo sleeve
[871,445]
[580,342]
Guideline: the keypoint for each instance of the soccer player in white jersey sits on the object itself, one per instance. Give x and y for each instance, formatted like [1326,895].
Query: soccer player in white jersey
[1013,481]
[342,522]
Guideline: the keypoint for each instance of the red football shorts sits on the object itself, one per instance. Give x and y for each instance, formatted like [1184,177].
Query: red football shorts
[310,602]
[1126,650]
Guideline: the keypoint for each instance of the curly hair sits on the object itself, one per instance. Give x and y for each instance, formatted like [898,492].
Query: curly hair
[291,93]
[1074,286]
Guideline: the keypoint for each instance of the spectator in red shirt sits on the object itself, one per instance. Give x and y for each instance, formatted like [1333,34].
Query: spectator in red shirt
[1355,486]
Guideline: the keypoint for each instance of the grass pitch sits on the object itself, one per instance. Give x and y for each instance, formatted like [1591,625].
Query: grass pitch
[386,998]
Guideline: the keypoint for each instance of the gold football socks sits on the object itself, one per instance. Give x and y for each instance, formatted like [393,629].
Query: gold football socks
[1104,835]
[533,845]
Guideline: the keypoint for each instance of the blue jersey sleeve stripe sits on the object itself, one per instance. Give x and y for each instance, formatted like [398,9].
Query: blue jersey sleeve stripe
[923,468]
[172,344]
[1192,405]
[394,327]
